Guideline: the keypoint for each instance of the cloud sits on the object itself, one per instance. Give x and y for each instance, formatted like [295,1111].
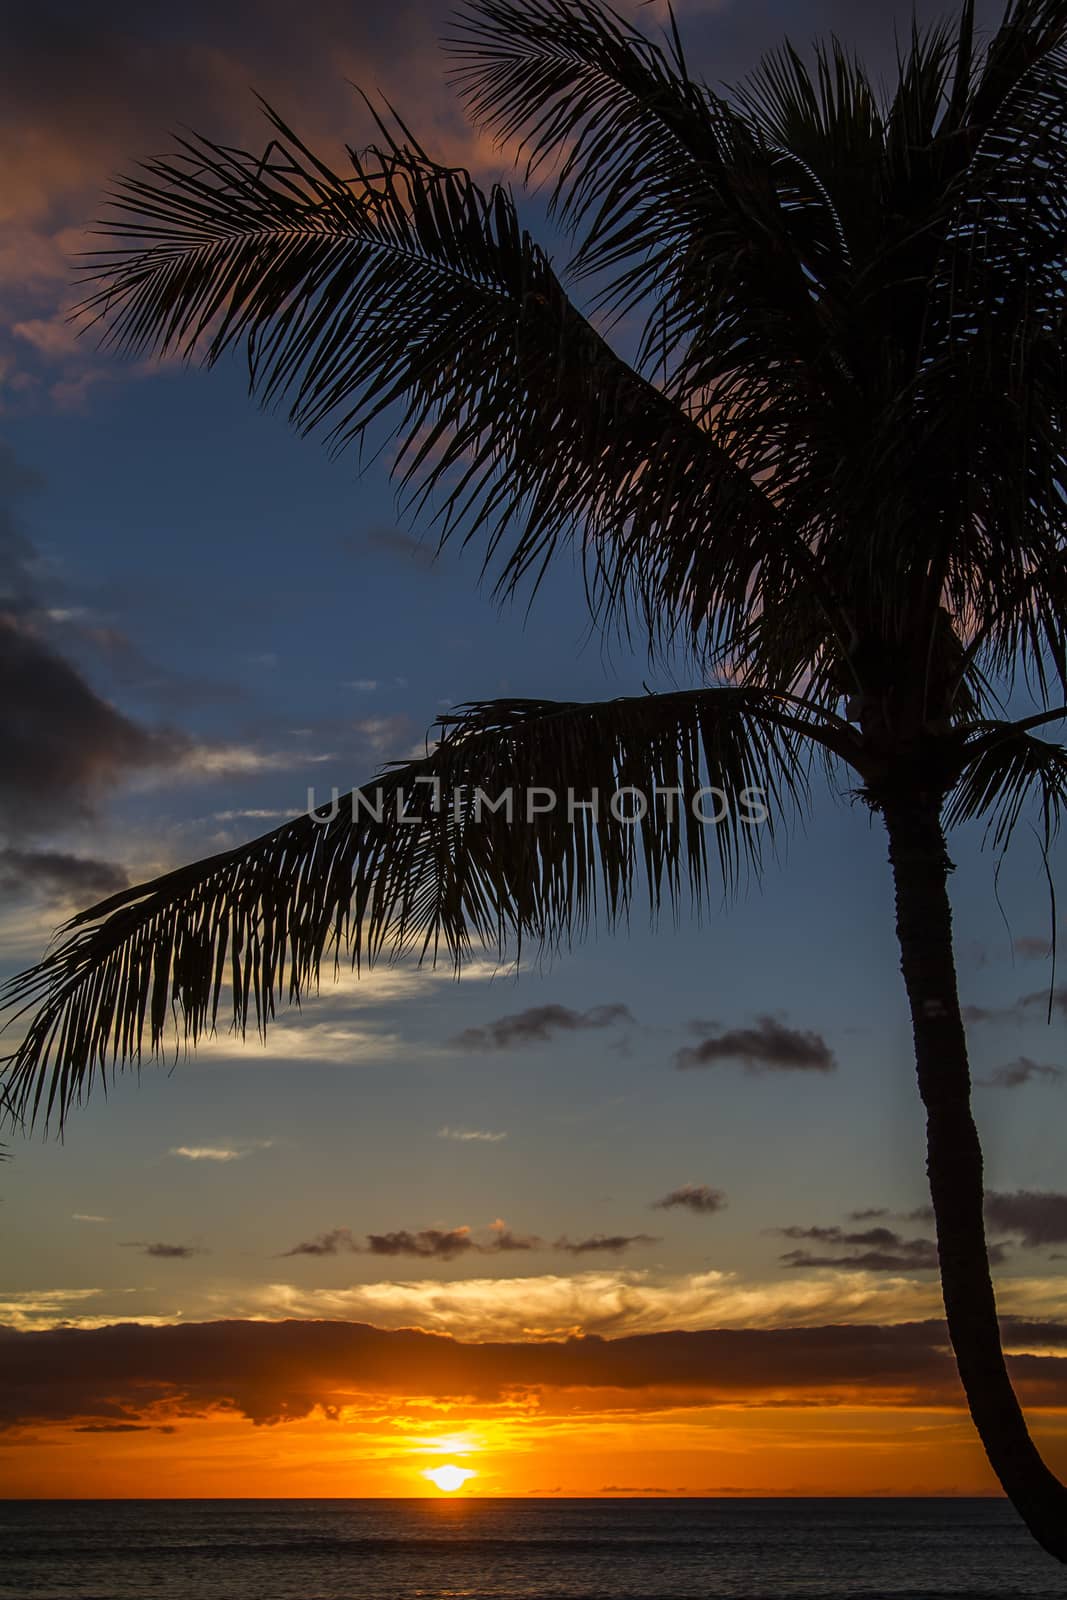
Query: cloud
[439,1244]
[470,1135]
[220,1152]
[205,1152]
[333,1243]
[389,738]
[604,1243]
[196,71]
[1035,1218]
[538,1025]
[272,1372]
[55,876]
[1040,999]
[696,1197]
[609,1298]
[1034,947]
[642,1488]
[86,1216]
[1054,1000]
[1020,1071]
[293,1038]
[974,1015]
[163,1252]
[613,1300]
[337,1038]
[196,74]
[61,743]
[124,1427]
[446,1244]
[400,547]
[426,1244]
[199,763]
[504,1240]
[769,1046]
[866,1250]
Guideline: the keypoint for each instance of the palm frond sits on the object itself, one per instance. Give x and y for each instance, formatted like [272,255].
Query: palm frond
[1010,773]
[993,372]
[828,115]
[8,1118]
[924,78]
[678,198]
[1028,30]
[405,295]
[573,79]
[428,860]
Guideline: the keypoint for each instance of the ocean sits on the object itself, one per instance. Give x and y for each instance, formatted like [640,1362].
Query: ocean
[468,1549]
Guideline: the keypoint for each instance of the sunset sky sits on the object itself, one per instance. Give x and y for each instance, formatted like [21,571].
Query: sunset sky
[647,1219]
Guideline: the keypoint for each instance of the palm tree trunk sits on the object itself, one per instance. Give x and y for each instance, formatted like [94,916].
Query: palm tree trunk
[954,1164]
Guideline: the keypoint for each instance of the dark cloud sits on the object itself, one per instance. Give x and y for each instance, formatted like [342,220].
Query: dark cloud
[769,1046]
[271,1372]
[861,1250]
[435,1244]
[697,1197]
[60,742]
[163,1252]
[194,66]
[56,876]
[914,1255]
[1033,947]
[504,1240]
[1040,1000]
[443,1244]
[869,1214]
[124,1427]
[1046,1000]
[426,1244]
[1035,1218]
[1022,1070]
[333,1243]
[598,1243]
[538,1025]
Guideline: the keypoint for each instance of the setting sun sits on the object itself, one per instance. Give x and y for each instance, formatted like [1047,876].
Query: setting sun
[449,1478]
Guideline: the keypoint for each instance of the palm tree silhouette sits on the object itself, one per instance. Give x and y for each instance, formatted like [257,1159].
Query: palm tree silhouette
[832,476]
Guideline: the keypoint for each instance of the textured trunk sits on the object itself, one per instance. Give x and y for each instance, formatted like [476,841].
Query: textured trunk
[954,1164]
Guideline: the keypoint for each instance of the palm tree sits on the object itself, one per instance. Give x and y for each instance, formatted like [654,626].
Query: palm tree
[831,477]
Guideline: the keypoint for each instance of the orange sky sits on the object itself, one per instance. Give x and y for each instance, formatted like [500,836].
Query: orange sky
[329,1408]
[771,1451]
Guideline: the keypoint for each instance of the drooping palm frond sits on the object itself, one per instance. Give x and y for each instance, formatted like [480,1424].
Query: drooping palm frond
[1028,30]
[405,295]
[431,858]
[713,233]
[7,1119]
[993,371]
[572,79]
[1011,772]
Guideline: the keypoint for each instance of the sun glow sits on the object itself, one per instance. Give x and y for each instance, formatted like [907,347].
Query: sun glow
[448,1478]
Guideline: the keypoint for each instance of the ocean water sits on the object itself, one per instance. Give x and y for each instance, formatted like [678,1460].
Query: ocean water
[520,1550]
